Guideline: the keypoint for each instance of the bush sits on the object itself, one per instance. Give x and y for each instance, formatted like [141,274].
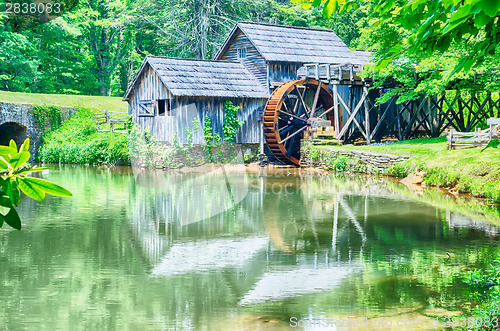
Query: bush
[398,169]
[146,151]
[340,164]
[441,177]
[77,141]
[485,290]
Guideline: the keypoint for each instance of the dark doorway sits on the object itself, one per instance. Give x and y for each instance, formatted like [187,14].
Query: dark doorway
[12,130]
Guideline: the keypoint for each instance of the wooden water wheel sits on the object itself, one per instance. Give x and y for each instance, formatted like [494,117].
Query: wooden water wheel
[292,110]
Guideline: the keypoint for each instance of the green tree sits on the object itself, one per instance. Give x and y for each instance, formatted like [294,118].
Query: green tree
[64,64]
[106,29]
[17,62]
[194,28]
[97,47]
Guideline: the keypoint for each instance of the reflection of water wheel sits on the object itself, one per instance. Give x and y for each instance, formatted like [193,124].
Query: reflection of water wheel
[290,111]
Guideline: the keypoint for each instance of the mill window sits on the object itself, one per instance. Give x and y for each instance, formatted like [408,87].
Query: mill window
[242,53]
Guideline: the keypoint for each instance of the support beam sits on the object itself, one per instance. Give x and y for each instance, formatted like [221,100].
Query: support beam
[367,114]
[412,119]
[381,119]
[315,102]
[336,110]
[352,118]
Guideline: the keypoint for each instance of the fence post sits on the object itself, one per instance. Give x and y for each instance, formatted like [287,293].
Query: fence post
[450,139]
[108,119]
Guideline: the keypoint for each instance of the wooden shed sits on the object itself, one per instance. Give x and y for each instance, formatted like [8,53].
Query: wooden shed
[167,94]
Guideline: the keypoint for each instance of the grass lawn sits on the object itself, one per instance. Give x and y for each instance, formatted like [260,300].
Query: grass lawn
[87,101]
[467,169]
[434,153]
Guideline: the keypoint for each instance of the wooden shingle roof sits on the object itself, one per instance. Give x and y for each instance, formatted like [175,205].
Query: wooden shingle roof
[203,78]
[278,43]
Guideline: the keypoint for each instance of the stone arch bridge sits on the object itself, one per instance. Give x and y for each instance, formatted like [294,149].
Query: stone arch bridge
[17,121]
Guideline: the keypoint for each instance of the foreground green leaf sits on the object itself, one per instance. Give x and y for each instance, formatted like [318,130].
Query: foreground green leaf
[5,201]
[25,146]
[13,145]
[19,159]
[5,204]
[48,187]
[25,171]
[13,181]
[12,191]
[4,150]
[30,190]
[331,6]
[12,218]
[4,210]
[493,143]
[4,165]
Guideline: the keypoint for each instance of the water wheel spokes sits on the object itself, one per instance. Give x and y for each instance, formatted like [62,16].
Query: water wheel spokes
[289,113]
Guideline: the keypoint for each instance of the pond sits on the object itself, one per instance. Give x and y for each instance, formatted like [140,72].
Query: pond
[229,250]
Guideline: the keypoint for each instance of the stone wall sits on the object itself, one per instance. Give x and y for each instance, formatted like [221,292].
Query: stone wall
[164,155]
[347,160]
[23,115]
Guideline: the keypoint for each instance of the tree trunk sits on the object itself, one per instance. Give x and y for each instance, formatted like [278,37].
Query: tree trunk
[101,86]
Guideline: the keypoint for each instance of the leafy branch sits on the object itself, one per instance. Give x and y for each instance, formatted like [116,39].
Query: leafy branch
[432,26]
[14,179]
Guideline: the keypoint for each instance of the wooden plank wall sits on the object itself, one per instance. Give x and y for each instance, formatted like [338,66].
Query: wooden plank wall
[282,71]
[150,87]
[187,109]
[253,62]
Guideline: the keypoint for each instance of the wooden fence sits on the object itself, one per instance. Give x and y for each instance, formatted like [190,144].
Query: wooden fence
[477,138]
[469,139]
[117,121]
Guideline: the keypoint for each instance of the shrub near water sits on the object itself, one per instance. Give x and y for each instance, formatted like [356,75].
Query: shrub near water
[78,141]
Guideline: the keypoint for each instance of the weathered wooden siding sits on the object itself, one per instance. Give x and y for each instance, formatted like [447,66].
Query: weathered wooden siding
[253,61]
[150,87]
[187,109]
[282,72]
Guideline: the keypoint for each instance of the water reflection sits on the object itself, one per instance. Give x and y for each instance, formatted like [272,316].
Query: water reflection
[204,255]
[228,249]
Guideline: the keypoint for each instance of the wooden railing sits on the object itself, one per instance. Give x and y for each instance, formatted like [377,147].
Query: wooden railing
[117,121]
[474,139]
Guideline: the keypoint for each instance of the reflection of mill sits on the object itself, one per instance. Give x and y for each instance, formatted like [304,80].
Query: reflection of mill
[338,206]
[319,220]
[187,206]
[304,226]
[290,245]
